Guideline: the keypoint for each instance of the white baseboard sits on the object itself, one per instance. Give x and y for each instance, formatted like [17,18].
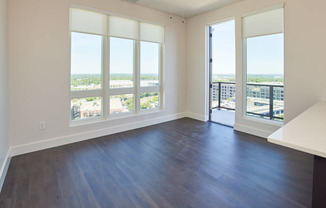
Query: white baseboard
[196,116]
[252,130]
[59,141]
[4,169]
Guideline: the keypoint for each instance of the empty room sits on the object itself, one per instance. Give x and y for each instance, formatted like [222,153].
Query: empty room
[161,103]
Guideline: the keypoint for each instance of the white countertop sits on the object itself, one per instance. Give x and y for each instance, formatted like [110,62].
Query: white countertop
[306,133]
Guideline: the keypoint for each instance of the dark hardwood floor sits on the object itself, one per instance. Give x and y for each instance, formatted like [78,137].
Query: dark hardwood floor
[183,163]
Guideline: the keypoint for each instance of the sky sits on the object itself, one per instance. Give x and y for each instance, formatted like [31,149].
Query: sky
[223,48]
[121,56]
[86,55]
[264,54]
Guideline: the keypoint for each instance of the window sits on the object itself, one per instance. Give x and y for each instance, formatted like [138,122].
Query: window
[86,61]
[121,63]
[121,104]
[86,107]
[149,64]
[264,64]
[149,100]
[116,65]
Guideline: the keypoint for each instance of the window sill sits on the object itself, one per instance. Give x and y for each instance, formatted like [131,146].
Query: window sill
[86,121]
[263,121]
[89,121]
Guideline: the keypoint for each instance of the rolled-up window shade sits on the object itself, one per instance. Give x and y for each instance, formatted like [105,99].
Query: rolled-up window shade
[88,22]
[122,27]
[266,23]
[152,33]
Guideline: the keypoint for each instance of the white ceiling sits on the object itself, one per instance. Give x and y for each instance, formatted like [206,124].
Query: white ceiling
[183,8]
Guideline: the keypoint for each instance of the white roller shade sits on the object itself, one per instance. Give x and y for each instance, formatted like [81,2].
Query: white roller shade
[150,32]
[87,21]
[122,27]
[266,23]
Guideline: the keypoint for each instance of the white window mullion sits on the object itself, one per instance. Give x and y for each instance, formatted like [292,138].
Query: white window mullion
[87,93]
[244,75]
[161,77]
[137,73]
[121,91]
[107,70]
[149,89]
[103,78]
[106,77]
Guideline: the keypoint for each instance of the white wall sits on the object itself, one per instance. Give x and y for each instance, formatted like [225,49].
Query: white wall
[4,99]
[39,66]
[305,63]
[39,70]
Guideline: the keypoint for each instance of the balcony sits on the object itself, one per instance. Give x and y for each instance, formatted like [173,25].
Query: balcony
[259,102]
[224,117]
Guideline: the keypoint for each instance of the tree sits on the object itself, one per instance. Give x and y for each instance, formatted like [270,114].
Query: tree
[155,99]
[130,104]
[146,105]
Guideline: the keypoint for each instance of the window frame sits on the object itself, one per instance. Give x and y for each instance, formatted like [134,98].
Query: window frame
[245,69]
[123,90]
[106,92]
[80,94]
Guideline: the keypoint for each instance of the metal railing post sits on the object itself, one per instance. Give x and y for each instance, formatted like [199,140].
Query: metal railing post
[219,95]
[271,102]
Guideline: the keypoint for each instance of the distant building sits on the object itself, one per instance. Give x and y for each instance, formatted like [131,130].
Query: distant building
[263,92]
[91,109]
[116,106]
[227,95]
[227,91]
[121,83]
[129,83]
[81,108]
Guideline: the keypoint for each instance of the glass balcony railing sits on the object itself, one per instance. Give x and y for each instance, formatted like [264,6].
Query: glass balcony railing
[263,100]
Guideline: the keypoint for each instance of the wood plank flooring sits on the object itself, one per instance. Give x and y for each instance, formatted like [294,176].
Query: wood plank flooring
[183,163]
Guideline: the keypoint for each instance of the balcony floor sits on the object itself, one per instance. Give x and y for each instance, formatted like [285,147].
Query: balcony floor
[225,117]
